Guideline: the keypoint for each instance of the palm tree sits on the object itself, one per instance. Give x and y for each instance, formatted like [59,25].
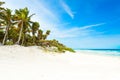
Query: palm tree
[48,32]
[46,35]
[1,10]
[35,27]
[40,34]
[13,34]
[1,3]
[22,15]
[6,16]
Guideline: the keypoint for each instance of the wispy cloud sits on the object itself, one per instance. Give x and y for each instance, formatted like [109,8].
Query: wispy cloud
[67,9]
[43,10]
[77,31]
[103,42]
[90,26]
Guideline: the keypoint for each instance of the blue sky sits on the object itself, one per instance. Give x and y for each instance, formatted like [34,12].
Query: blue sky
[77,23]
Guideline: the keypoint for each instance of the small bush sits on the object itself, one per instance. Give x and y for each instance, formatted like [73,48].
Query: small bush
[9,43]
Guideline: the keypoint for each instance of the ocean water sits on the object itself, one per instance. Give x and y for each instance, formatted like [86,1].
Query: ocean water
[108,52]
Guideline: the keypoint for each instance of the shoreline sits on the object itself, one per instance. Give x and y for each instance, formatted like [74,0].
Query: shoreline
[28,63]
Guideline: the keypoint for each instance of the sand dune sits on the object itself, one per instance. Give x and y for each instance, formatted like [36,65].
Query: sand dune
[31,63]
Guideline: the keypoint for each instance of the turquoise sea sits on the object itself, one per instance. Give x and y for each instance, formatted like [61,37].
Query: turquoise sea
[108,52]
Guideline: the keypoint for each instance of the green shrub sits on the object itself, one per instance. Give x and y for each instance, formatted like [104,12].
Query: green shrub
[70,49]
[9,43]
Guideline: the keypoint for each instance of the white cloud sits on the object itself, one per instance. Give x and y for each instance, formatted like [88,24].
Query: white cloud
[90,26]
[67,9]
[76,31]
[95,42]
[43,10]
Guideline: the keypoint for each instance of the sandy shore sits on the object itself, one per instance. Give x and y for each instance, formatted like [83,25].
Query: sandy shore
[23,63]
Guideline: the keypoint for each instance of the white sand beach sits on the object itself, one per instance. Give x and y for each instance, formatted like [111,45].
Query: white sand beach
[31,63]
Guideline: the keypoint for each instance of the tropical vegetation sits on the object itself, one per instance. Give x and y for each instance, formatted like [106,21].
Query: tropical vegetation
[18,28]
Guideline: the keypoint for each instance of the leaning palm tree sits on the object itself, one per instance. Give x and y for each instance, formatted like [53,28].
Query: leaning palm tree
[6,16]
[22,15]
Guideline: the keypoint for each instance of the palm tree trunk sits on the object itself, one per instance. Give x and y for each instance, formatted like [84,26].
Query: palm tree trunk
[6,33]
[23,39]
[20,34]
